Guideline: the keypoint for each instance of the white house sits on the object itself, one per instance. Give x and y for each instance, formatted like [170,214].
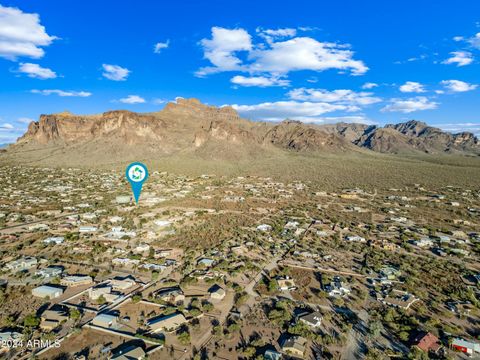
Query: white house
[49,272]
[46,291]
[54,240]
[264,228]
[355,238]
[21,264]
[424,242]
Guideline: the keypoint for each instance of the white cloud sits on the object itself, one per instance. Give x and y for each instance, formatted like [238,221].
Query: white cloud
[461,127]
[21,34]
[115,72]
[304,53]
[275,57]
[458,38]
[410,105]
[340,96]
[132,99]
[474,41]
[25,120]
[285,32]
[458,86]
[36,71]
[62,93]
[157,48]
[461,58]
[221,48]
[271,34]
[159,101]
[369,85]
[6,126]
[280,110]
[259,81]
[355,119]
[412,86]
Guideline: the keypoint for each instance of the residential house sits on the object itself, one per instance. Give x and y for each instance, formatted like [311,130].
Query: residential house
[141,248]
[390,273]
[121,284]
[427,342]
[465,346]
[337,288]
[87,229]
[104,291]
[401,299]
[216,292]
[168,323]
[50,272]
[286,283]
[312,319]
[161,253]
[294,345]
[206,262]
[172,295]
[264,228]
[424,242]
[130,352]
[57,240]
[105,321]
[51,319]
[355,238]
[76,280]
[21,264]
[272,355]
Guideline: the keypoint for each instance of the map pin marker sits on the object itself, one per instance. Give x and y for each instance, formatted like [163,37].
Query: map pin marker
[137,174]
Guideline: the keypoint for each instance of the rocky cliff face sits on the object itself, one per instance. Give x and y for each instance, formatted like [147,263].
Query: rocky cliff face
[124,126]
[294,135]
[189,126]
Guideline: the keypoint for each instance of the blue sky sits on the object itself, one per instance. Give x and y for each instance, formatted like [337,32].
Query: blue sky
[316,61]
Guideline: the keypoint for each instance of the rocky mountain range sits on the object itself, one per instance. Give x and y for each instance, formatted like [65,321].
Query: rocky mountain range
[188,126]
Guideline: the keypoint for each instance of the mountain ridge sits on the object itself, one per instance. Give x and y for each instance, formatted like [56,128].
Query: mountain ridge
[190,127]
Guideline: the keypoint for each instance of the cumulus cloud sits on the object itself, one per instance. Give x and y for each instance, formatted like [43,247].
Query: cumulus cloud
[461,58]
[6,126]
[474,41]
[62,93]
[304,53]
[340,96]
[36,71]
[115,72]
[280,110]
[412,86]
[157,48]
[132,99]
[21,34]
[410,105]
[458,86]
[259,81]
[277,56]
[369,85]
[221,49]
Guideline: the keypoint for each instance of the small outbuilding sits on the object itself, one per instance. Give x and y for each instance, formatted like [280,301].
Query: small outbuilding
[105,320]
[47,291]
